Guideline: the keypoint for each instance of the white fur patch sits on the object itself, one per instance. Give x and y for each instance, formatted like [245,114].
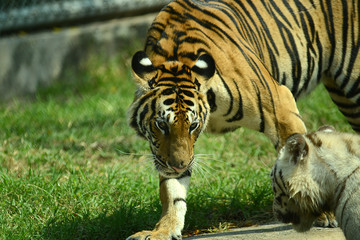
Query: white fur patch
[201,64]
[328,130]
[178,187]
[170,116]
[145,62]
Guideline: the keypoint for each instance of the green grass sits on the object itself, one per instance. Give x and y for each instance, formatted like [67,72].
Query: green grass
[64,173]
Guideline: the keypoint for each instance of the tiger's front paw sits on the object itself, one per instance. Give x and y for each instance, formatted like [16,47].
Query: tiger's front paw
[327,220]
[155,235]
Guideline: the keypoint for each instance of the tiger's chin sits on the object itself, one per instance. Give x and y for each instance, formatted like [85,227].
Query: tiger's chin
[300,221]
[167,173]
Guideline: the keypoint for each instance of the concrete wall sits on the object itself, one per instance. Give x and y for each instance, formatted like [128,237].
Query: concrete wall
[32,61]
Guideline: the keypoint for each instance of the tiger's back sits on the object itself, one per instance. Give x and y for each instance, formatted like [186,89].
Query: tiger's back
[221,65]
[295,43]
[319,172]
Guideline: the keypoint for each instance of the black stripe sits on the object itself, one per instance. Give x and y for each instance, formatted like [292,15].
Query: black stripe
[229,93]
[239,114]
[203,10]
[175,16]
[275,179]
[174,79]
[344,27]
[194,40]
[183,6]
[172,85]
[188,93]
[179,200]
[144,112]
[187,173]
[345,105]
[290,46]
[354,52]
[354,90]
[198,30]
[252,30]
[211,98]
[229,14]
[344,226]
[175,71]
[329,25]
[133,122]
[282,181]
[192,55]
[305,18]
[355,126]
[320,55]
[314,139]
[351,114]
[261,112]
[153,108]
[266,28]
[169,101]
[291,11]
[343,187]
[208,25]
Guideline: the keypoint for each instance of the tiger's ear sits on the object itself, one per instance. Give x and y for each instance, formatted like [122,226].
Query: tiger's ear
[143,69]
[327,128]
[204,67]
[296,148]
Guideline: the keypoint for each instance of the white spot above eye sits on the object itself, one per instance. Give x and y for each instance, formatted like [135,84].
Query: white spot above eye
[201,64]
[145,62]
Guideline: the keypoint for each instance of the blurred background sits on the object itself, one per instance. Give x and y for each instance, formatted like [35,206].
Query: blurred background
[40,40]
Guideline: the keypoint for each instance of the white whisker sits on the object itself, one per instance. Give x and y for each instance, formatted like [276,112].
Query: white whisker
[135,154]
[204,155]
[200,169]
[204,167]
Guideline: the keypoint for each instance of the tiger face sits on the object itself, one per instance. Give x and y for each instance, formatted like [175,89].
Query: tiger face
[170,109]
[286,208]
[298,197]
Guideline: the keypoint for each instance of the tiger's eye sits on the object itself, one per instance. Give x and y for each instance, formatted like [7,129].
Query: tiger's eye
[193,126]
[162,126]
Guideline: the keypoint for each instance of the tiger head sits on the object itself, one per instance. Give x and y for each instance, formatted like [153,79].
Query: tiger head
[170,109]
[298,197]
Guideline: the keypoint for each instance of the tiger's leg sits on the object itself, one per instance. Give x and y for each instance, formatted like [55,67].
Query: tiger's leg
[172,195]
[326,219]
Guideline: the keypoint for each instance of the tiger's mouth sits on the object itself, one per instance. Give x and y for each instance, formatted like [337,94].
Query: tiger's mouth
[167,171]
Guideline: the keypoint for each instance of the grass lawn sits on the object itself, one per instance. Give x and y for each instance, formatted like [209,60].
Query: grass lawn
[71,168]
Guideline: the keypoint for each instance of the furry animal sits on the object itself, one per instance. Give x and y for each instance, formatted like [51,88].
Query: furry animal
[226,64]
[319,172]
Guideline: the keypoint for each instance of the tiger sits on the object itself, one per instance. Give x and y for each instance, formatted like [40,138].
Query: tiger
[218,65]
[317,172]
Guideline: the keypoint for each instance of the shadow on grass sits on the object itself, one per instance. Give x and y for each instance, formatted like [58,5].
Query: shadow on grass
[124,222]
[117,225]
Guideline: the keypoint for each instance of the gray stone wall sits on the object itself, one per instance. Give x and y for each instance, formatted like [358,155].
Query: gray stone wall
[36,60]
